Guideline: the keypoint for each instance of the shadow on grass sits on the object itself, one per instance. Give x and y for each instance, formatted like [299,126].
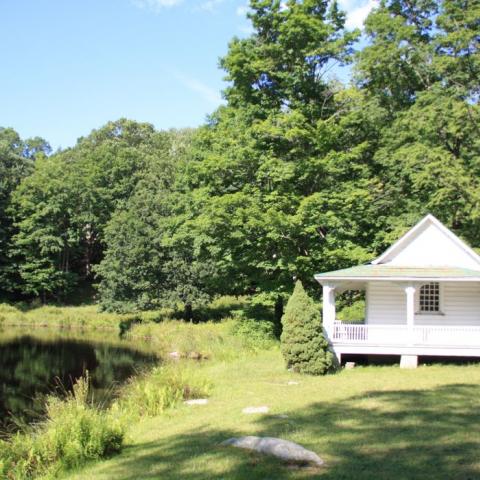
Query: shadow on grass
[414,434]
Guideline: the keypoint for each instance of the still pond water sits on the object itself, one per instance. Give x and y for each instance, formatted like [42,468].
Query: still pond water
[34,364]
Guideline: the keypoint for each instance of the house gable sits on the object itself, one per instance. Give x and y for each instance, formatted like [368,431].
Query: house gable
[427,244]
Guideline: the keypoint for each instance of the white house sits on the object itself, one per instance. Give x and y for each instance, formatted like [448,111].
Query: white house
[422,298]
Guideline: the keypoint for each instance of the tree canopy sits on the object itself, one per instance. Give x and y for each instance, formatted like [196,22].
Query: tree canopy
[295,174]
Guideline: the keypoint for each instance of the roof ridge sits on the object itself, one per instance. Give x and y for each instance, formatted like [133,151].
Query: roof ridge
[412,232]
[385,272]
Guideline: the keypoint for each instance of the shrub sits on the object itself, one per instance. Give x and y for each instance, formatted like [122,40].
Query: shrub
[218,309]
[8,309]
[73,433]
[303,344]
[126,323]
[256,334]
[353,313]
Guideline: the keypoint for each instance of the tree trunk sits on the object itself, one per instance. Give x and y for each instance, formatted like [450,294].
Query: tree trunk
[90,242]
[188,314]
[278,316]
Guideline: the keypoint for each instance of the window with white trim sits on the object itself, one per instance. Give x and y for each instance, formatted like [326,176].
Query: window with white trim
[429,299]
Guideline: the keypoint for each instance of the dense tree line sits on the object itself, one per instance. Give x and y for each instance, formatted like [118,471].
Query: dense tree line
[297,173]
[17,159]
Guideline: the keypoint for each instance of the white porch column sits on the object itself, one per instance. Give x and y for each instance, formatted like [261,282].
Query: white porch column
[410,292]
[328,316]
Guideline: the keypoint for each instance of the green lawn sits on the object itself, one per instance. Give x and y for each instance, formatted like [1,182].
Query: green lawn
[367,423]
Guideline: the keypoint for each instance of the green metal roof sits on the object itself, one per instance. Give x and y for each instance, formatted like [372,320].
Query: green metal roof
[386,272]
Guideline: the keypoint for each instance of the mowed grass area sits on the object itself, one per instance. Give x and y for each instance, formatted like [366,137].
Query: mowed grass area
[367,423]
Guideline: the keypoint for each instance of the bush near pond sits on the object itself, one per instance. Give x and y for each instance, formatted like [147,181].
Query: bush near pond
[226,340]
[256,334]
[73,433]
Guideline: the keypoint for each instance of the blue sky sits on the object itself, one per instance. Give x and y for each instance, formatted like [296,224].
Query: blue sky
[72,65]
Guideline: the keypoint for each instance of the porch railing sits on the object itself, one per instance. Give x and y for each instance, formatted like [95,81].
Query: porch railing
[461,336]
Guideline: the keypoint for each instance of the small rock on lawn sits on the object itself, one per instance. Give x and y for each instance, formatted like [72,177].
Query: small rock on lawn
[250,410]
[196,401]
[287,451]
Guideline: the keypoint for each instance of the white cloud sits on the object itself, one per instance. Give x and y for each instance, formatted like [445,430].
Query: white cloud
[242,10]
[209,5]
[207,93]
[156,5]
[195,5]
[357,11]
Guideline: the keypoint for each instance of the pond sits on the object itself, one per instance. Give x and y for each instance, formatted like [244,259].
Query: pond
[34,364]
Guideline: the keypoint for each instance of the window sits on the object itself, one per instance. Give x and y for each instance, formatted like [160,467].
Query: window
[430,298]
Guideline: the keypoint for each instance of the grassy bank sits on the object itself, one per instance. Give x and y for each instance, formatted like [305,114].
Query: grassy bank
[72,433]
[60,317]
[76,430]
[91,317]
[222,341]
[370,422]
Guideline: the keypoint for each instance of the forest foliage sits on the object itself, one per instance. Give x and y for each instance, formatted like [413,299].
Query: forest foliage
[297,173]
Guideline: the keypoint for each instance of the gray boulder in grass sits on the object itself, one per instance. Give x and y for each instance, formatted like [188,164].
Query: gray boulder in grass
[283,449]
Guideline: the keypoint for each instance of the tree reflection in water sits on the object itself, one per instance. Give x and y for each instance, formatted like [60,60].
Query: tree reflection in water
[32,367]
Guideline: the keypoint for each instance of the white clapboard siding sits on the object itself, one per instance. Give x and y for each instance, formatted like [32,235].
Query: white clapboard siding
[460,305]
[386,304]
[460,301]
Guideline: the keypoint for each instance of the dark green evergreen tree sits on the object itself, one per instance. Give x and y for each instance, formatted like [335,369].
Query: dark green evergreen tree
[304,346]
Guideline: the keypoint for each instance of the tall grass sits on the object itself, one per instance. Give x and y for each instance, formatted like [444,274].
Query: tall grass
[63,317]
[89,316]
[227,340]
[73,433]
[162,388]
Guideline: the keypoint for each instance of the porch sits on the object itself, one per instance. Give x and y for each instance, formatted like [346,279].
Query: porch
[411,312]
[404,340]
[422,297]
